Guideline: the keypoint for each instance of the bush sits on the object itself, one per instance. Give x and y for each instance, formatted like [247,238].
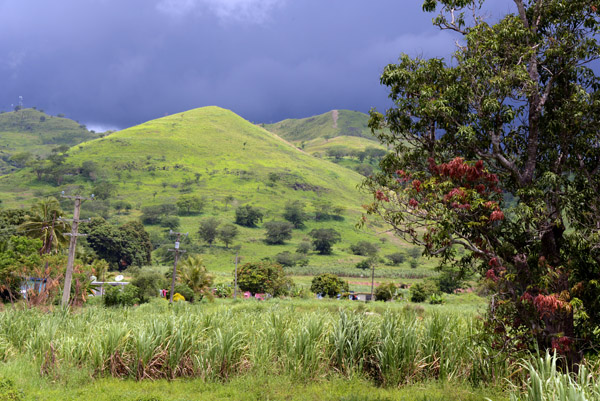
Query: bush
[288,259]
[385,292]
[263,277]
[436,299]
[328,284]
[449,281]
[413,263]
[304,247]
[223,290]
[396,258]
[364,248]
[149,284]
[127,295]
[295,214]
[364,264]
[278,232]
[183,290]
[418,293]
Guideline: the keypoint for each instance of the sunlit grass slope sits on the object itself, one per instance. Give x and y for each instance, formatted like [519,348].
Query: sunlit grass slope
[335,128]
[33,131]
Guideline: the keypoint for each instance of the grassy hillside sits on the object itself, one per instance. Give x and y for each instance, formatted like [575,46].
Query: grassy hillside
[215,154]
[30,130]
[328,125]
[339,136]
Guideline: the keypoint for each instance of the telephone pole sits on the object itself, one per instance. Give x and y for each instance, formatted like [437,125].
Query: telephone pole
[372,280]
[72,244]
[177,251]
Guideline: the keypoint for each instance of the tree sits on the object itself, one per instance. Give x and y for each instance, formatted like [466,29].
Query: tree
[328,284]
[295,214]
[263,277]
[121,246]
[278,232]
[364,248]
[514,117]
[195,276]
[208,230]
[227,234]
[323,239]
[43,222]
[247,216]
[190,205]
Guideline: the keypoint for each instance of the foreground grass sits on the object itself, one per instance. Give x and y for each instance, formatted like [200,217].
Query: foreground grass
[258,387]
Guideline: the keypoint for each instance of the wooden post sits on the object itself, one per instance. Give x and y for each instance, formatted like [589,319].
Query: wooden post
[174,276]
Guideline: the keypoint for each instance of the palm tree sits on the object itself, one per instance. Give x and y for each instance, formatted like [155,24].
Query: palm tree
[43,223]
[195,275]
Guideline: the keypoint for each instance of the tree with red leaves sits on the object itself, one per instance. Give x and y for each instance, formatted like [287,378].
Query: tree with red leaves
[498,153]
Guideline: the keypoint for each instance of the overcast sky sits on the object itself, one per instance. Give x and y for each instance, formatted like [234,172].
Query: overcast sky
[117,63]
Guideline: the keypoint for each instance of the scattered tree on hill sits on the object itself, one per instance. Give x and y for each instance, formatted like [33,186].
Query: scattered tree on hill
[15,253]
[516,113]
[304,247]
[208,230]
[323,239]
[104,189]
[329,285]
[248,216]
[227,234]
[263,277]
[288,259]
[385,292]
[278,232]
[295,214]
[189,205]
[154,214]
[364,248]
[396,258]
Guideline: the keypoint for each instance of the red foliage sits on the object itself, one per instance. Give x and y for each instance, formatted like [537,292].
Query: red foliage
[417,185]
[413,202]
[497,215]
[548,305]
[381,196]
[561,344]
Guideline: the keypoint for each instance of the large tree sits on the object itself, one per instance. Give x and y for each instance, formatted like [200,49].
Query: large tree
[498,153]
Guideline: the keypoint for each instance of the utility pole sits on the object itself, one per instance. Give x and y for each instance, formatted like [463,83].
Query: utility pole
[176,250]
[237,252]
[72,244]
[372,279]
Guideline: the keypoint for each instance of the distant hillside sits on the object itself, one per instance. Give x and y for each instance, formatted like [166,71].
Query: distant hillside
[210,153]
[341,136]
[32,131]
[333,124]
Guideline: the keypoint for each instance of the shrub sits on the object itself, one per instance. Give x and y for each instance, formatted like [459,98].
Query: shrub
[177,297]
[436,299]
[223,290]
[328,284]
[263,277]
[364,264]
[295,214]
[396,258]
[183,290]
[364,248]
[304,247]
[278,232]
[413,263]
[385,292]
[449,281]
[288,259]
[149,284]
[127,295]
[418,293]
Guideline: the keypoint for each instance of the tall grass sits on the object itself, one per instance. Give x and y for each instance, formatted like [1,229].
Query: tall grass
[546,383]
[154,341]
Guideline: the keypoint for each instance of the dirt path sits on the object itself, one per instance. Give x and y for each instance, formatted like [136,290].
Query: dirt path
[334,115]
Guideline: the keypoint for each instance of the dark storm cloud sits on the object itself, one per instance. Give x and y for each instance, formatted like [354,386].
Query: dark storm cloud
[122,62]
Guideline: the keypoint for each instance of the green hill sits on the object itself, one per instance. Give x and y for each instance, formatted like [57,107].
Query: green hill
[211,153]
[341,136]
[34,132]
